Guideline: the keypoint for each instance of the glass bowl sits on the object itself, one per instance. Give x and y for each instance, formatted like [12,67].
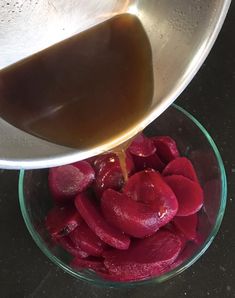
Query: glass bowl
[193,142]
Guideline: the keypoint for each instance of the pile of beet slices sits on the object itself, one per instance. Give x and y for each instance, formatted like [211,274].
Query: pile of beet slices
[126,231]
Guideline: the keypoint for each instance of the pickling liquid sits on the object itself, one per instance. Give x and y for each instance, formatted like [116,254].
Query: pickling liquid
[84,91]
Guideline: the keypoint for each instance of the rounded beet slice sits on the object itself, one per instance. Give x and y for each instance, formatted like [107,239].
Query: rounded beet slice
[152,161]
[187,225]
[98,225]
[184,255]
[188,193]
[93,263]
[87,240]
[142,146]
[60,221]
[67,244]
[144,258]
[149,187]
[109,173]
[67,181]
[166,148]
[108,177]
[135,218]
[176,231]
[181,166]
[112,160]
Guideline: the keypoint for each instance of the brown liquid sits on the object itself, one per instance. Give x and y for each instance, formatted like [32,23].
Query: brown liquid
[85,90]
[120,151]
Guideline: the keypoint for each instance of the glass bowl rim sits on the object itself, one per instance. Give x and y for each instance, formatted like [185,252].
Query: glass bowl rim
[189,262]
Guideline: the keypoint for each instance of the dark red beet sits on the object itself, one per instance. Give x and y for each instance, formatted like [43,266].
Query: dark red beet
[136,218]
[60,221]
[152,161]
[142,146]
[187,225]
[67,181]
[109,173]
[111,159]
[93,263]
[166,148]
[149,187]
[87,240]
[67,244]
[145,258]
[189,194]
[186,253]
[204,228]
[173,229]
[98,225]
[91,160]
[181,166]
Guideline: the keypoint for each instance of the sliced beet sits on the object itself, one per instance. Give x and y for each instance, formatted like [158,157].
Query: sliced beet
[152,161]
[145,258]
[109,173]
[184,255]
[204,227]
[87,240]
[60,221]
[189,194]
[187,225]
[135,218]
[98,225]
[93,263]
[142,146]
[181,166]
[149,187]
[67,244]
[176,231]
[166,148]
[67,181]
[111,159]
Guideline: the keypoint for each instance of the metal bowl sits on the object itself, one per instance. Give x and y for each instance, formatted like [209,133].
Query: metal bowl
[181,33]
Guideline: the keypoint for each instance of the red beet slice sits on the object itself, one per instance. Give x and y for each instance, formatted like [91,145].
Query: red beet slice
[111,159]
[186,253]
[145,258]
[152,161]
[204,228]
[189,194]
[176,231]
[109,173]
[149,187]
[87,240]
[67,181]
[93,263]
[67,244]
[136,218]
[60,221]
[142,146]
[181,166]
[166,148]
[187,225]
[98,225]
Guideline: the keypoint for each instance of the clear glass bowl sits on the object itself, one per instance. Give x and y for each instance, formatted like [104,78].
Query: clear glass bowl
[193,141]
